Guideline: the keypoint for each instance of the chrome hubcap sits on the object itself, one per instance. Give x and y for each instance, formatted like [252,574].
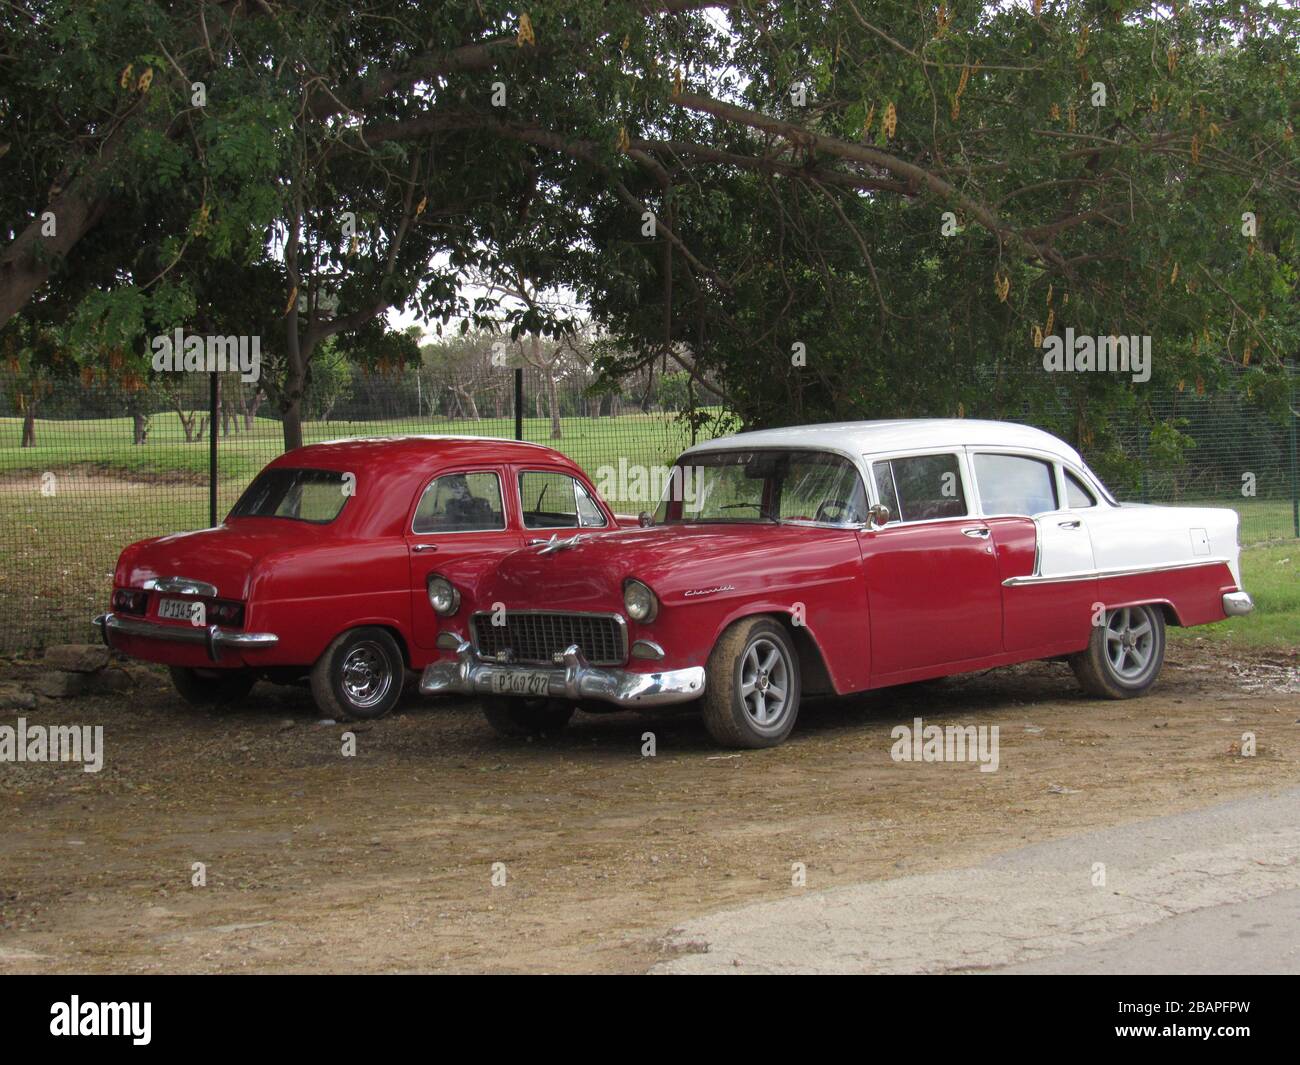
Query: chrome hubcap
[764,683]
[1130,642]
[366,676]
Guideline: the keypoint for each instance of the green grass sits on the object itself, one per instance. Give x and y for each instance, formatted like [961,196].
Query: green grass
[1271,574]
[105,443]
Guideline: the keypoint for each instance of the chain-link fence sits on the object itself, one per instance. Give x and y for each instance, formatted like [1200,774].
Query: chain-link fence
[87,467]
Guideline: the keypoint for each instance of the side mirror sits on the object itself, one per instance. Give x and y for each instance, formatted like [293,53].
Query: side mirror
[878,515]
[644,519]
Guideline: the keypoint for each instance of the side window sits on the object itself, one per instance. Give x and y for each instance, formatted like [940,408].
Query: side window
[1014,484]
[556,501]
[924,487]
[461,502]
[1077,494]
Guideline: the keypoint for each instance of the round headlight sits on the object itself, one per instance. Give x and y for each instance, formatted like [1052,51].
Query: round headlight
[443,596]
[640,601]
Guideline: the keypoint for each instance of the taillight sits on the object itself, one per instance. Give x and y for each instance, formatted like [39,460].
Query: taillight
[224,612]
[130,600]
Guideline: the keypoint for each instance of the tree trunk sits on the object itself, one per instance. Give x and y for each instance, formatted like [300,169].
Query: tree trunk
[295,383]
[29,425]
[250,405]
[553,401]
[139,428]
[467,404]
[187,421]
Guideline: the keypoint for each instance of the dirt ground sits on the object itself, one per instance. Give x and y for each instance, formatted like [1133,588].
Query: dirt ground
[384,861]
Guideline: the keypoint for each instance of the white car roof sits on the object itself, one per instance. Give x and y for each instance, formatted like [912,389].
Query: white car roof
[866,438]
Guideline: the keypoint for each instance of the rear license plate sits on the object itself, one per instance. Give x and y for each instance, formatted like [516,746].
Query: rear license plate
[521,683]
[178,609]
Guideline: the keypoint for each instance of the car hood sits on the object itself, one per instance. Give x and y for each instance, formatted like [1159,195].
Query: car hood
[676,561]
[225,556]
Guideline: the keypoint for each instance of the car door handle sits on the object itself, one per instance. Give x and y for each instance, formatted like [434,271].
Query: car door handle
[425,547]
[978,534]
[1072,524]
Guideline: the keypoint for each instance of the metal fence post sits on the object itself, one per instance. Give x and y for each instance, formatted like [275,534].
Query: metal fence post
[212,449]
[519,402]
[1295,472]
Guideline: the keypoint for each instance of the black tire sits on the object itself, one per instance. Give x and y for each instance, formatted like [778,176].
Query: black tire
[517,717]
[754,653]
[1124,654]
[210,688]
[360,675]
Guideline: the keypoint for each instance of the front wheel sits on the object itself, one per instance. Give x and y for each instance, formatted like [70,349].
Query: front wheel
[751,695]
[516,717]
[1124,655]
[211,687]
[360,675]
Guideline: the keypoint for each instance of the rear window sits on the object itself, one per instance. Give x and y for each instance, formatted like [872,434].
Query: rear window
[315,496]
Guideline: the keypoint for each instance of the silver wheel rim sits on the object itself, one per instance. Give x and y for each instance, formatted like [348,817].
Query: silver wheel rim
[366,677]
[1130,642]
[765,684]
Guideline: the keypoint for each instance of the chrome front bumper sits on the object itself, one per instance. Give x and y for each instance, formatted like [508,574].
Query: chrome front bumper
[213,637]
[473,675]
[1235,604]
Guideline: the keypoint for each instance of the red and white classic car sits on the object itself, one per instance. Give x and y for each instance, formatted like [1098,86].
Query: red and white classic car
[339,563]
[838,558]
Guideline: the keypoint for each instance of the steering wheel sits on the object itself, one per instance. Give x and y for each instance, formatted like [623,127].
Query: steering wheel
[836,512]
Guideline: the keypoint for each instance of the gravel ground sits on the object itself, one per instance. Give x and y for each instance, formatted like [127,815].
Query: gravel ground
[386,860]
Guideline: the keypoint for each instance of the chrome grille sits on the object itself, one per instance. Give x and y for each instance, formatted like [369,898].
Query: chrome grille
[538,636]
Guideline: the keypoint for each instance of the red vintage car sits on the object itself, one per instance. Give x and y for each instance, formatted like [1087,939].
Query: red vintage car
[343,563]
[837,558]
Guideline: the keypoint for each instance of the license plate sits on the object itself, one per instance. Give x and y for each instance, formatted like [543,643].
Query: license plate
[178,609]
[521,682]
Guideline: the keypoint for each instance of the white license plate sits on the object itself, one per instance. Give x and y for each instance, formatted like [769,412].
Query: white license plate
[178,609]
[521,682]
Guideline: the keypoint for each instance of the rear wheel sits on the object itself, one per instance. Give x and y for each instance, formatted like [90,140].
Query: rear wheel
[1124,655]
[751,697]
[360,675]
[517,717]
[211,687]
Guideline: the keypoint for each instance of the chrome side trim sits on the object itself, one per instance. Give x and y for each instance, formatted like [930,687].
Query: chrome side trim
[472,675]
[1124,571]
[213,637]
[1237,604]
[181,586]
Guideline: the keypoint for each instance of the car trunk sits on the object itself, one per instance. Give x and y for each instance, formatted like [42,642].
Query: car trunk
[224,557]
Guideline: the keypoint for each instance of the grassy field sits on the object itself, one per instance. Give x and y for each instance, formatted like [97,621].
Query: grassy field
[1271,573]
[57,551]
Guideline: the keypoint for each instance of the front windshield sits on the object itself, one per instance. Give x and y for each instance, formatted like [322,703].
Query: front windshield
[764,486]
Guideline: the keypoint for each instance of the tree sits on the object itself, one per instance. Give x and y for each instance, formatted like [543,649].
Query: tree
[883,205]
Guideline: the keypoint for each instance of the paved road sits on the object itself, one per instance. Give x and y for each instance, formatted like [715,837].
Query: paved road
[1216,890]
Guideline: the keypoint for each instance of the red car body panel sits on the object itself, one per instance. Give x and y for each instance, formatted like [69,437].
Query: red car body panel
[307,583]
[884,606]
